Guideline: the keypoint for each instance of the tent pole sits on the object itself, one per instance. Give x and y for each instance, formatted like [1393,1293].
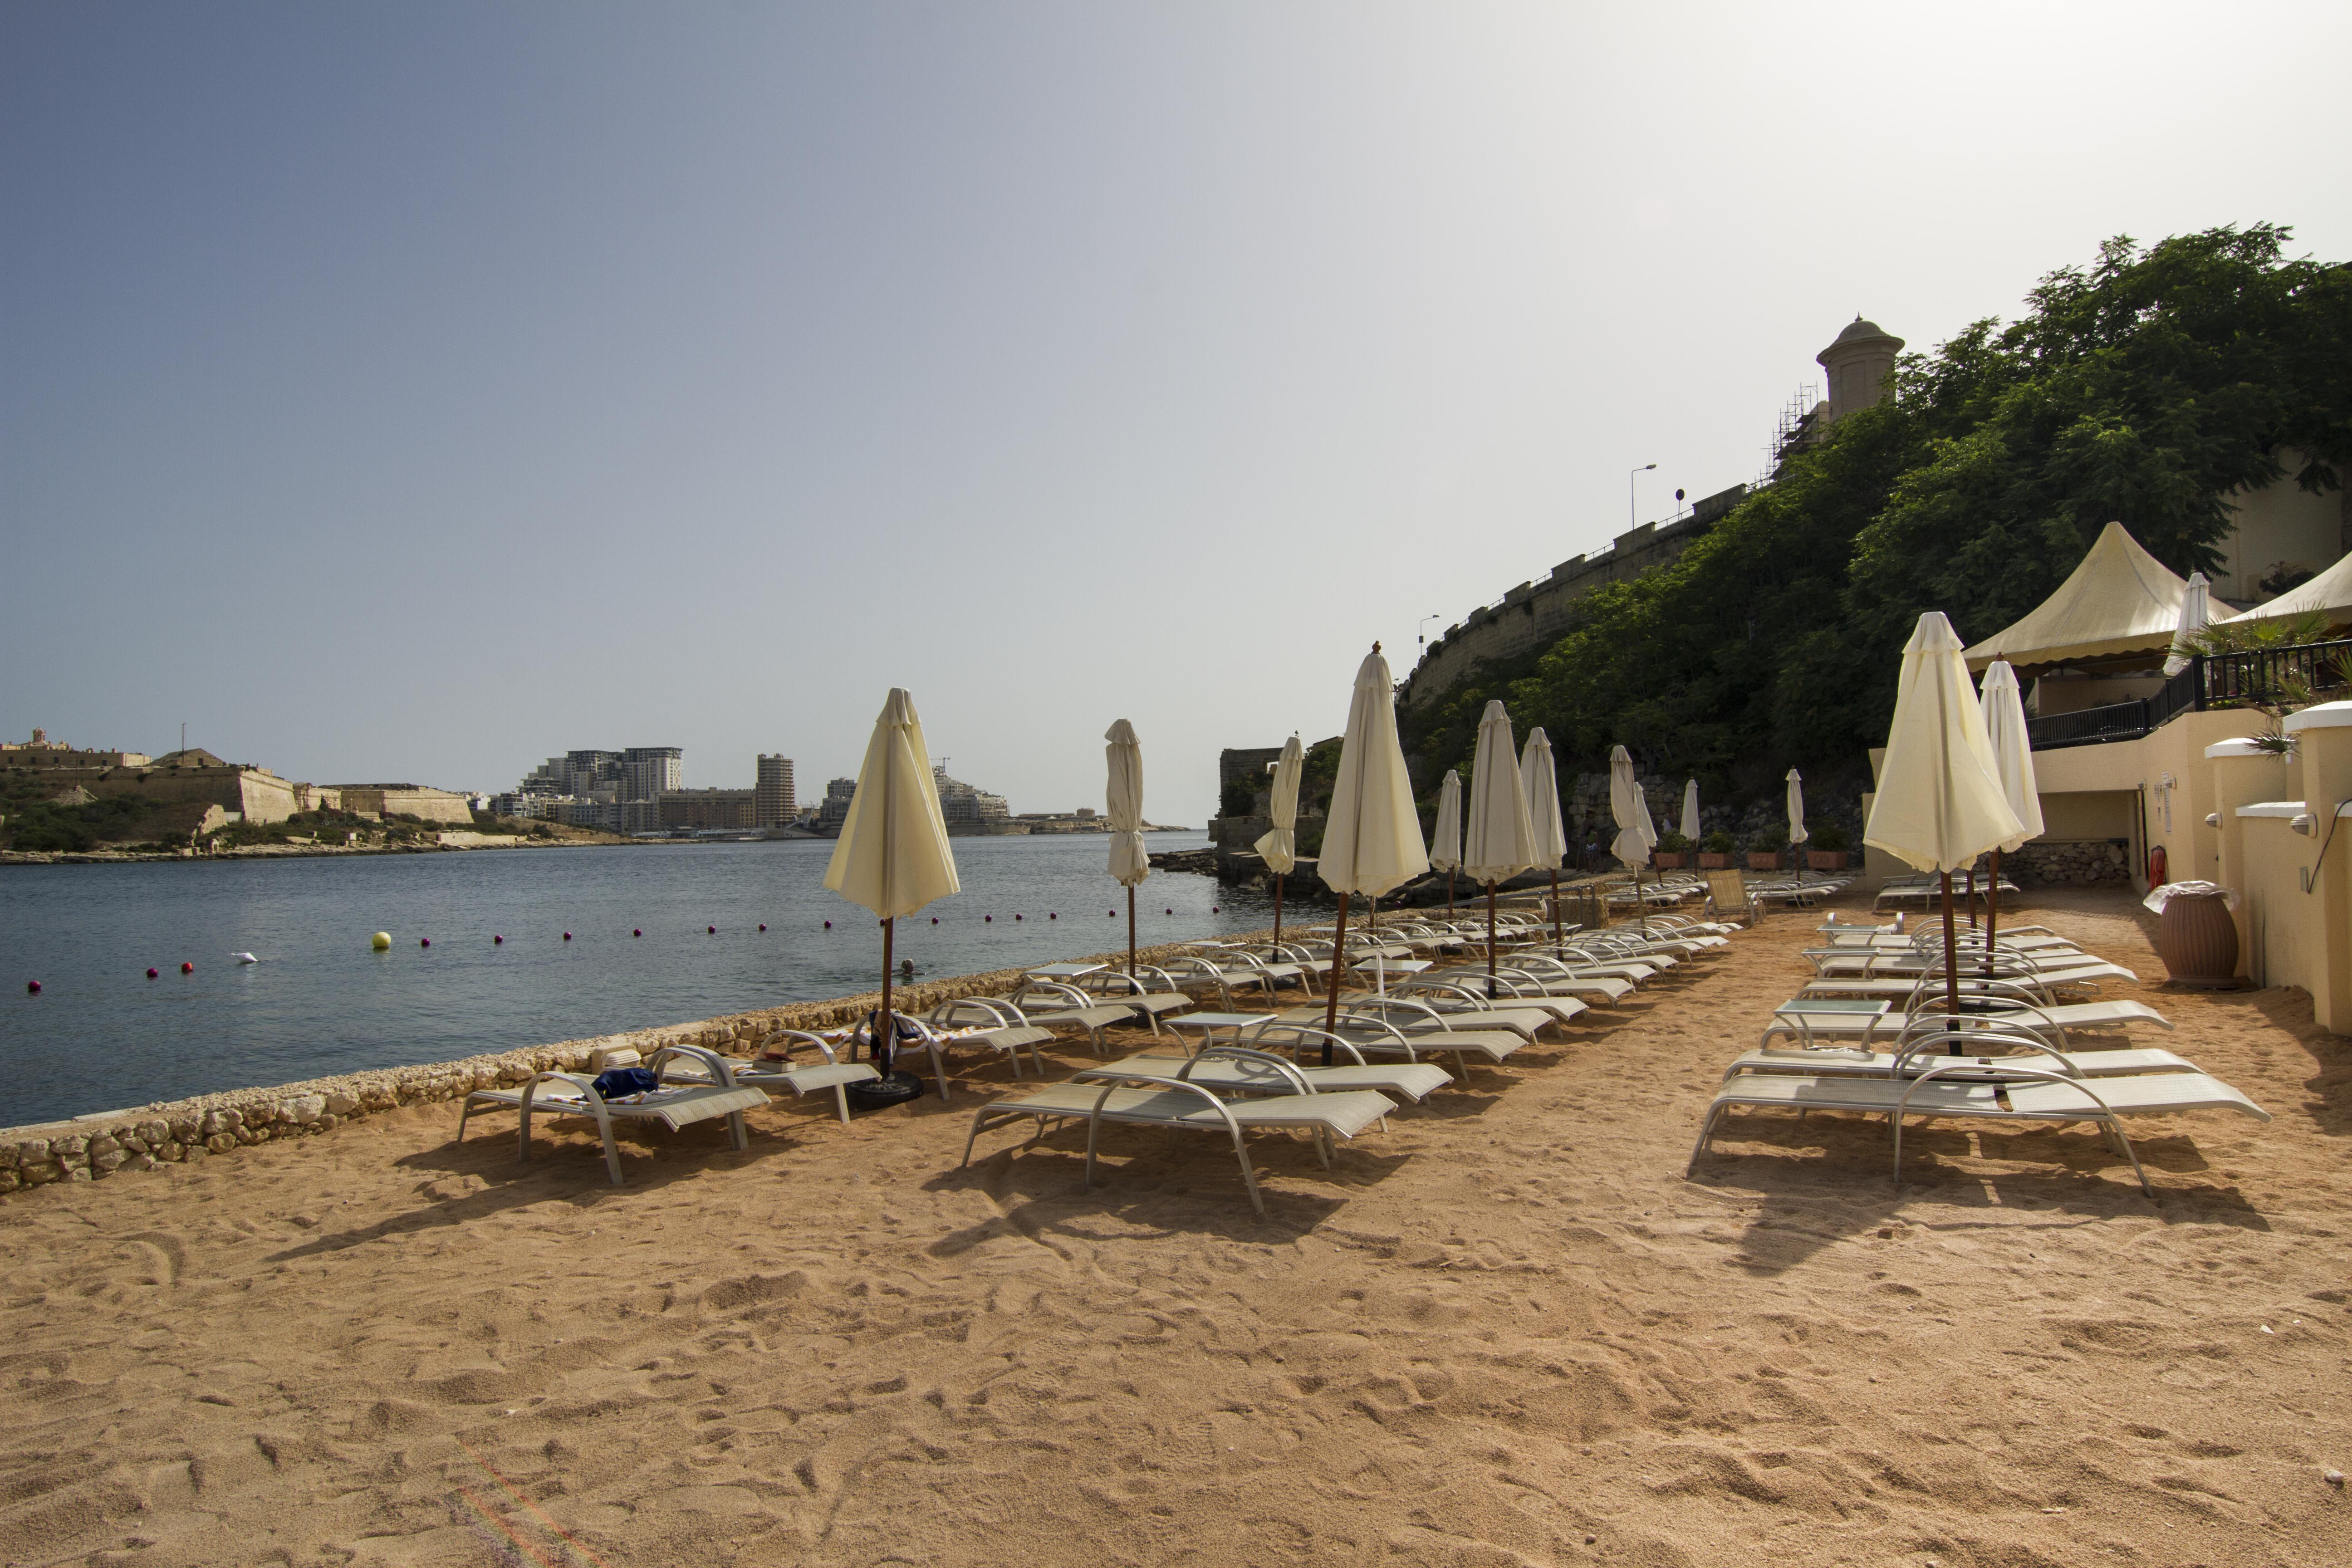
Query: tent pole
[1130,931]
[1332,1000]
[885,1027]
[1951,969]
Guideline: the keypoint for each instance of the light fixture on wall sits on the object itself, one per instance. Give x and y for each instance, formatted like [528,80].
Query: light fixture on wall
[2213,819]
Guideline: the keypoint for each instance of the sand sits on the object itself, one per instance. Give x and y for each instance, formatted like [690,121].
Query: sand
[1504,1331]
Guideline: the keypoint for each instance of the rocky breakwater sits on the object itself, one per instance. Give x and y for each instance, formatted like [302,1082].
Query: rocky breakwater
[156,1137]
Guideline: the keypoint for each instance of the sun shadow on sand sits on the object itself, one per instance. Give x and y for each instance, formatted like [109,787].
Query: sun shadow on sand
[568,1167]
[1192,1187]
[1829,1180]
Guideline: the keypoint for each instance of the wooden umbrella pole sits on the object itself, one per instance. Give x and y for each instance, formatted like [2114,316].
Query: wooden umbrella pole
[1449,892]
[1992,911]
[1277,912]
[1130,931]
[1558,936]
[1331,998]
[1951,968]
[1490,942]
[1973,895]
[885,1029]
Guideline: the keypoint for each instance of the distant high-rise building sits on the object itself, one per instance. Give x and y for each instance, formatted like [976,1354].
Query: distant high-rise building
[639,773]
[835,810]
[773,794]
[651,772]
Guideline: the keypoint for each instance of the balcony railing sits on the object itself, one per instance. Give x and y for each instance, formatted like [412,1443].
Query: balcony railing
[2214,681]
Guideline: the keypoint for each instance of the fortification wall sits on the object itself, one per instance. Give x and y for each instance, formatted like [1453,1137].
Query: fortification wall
[1536,614]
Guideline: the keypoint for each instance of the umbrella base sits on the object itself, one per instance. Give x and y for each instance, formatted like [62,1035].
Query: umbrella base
[881,1093]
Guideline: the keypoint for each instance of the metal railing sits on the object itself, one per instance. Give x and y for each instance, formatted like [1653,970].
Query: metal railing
[2211,680]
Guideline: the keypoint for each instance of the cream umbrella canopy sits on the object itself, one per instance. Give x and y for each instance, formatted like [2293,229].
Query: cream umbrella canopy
[1635,836]
[1797,833]
[893,856]
[1445,843]
[1541,778]
[1939,802]
[1690,812]
[2012,763]
[1372,837]
[1498,841]
[2196,613]
[1123,800]
[1279,846]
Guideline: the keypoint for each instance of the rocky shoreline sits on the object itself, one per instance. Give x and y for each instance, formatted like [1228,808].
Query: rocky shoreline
[103,1145]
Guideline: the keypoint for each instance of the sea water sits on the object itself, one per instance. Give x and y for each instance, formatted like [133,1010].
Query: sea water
[101,1036]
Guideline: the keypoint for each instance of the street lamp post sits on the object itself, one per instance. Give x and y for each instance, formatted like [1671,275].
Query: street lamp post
[1631,519]
[1432,615]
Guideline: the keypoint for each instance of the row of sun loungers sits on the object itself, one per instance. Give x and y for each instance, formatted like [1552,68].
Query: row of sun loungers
[2008,1056]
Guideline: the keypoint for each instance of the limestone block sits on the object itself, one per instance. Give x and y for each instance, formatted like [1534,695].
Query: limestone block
[138,1161]
[72,1145]
[110,1159]
[329,1122]
[78,1173]
[184,1129]
[133,1144]
[103,1143]
[171,1149]
[40,1172]
[221,1143]
[156,1131]
[9,1181]
[250,1135]
[10,1153]
[340,1104]
[305,1109]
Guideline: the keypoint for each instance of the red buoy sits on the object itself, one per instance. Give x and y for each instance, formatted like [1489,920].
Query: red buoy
[989,920]
[935,920]
[828,925]
[498,941]
[635,932]
[187,969]
[151,974]
[567,936]
[1212,909]
[1052,916]
[1016,917]
[1168,912]
[425,941]
[764,925]
[711,929]
[32,988]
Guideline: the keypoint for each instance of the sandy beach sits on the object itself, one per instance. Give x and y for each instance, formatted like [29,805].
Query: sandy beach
[1504,1330]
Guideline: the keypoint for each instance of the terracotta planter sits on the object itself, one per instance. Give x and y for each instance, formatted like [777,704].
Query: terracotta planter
[2198,940]
[1669,859]
[1759,861]
[1825,859]
[1708,861]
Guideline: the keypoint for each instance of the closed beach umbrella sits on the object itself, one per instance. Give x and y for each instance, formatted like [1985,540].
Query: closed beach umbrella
[1371,839]
[2013,763]
[1635,836]
[1797,833]
[1940,803]
[1498,840]
[1541,778]
[893,856]
[1123,798]
[1445,844]
[2196,611]
[1279,847]
[1690,813]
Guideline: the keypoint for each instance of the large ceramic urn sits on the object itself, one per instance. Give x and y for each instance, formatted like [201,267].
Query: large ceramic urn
[2198,940]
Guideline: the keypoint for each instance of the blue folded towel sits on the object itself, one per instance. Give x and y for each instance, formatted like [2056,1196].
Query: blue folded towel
[623,1081]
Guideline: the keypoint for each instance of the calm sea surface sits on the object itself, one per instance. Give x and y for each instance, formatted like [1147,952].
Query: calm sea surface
[102,1035]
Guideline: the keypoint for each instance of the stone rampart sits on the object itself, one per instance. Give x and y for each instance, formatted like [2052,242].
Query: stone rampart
[1536,614]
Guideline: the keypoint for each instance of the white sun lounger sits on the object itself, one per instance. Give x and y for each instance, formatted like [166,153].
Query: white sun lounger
[672,1106]
[2051,1097]
[1179,1106]
[2053,1020]
[773,1068]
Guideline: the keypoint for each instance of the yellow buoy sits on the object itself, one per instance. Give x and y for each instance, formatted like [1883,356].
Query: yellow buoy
[381,942]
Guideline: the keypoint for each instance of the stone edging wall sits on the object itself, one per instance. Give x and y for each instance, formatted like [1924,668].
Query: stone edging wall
[91,1148]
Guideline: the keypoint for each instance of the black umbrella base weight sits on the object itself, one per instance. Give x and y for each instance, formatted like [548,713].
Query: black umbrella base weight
[881,1093]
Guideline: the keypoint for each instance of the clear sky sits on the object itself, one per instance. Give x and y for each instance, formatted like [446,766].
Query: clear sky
[410,392]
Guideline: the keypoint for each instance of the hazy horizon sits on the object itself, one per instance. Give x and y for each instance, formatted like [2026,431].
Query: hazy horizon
[416,393]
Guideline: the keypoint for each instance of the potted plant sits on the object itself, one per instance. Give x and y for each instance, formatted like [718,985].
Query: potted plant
[1673,852]
[1715,851]
[1825,846]
[1765,851]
